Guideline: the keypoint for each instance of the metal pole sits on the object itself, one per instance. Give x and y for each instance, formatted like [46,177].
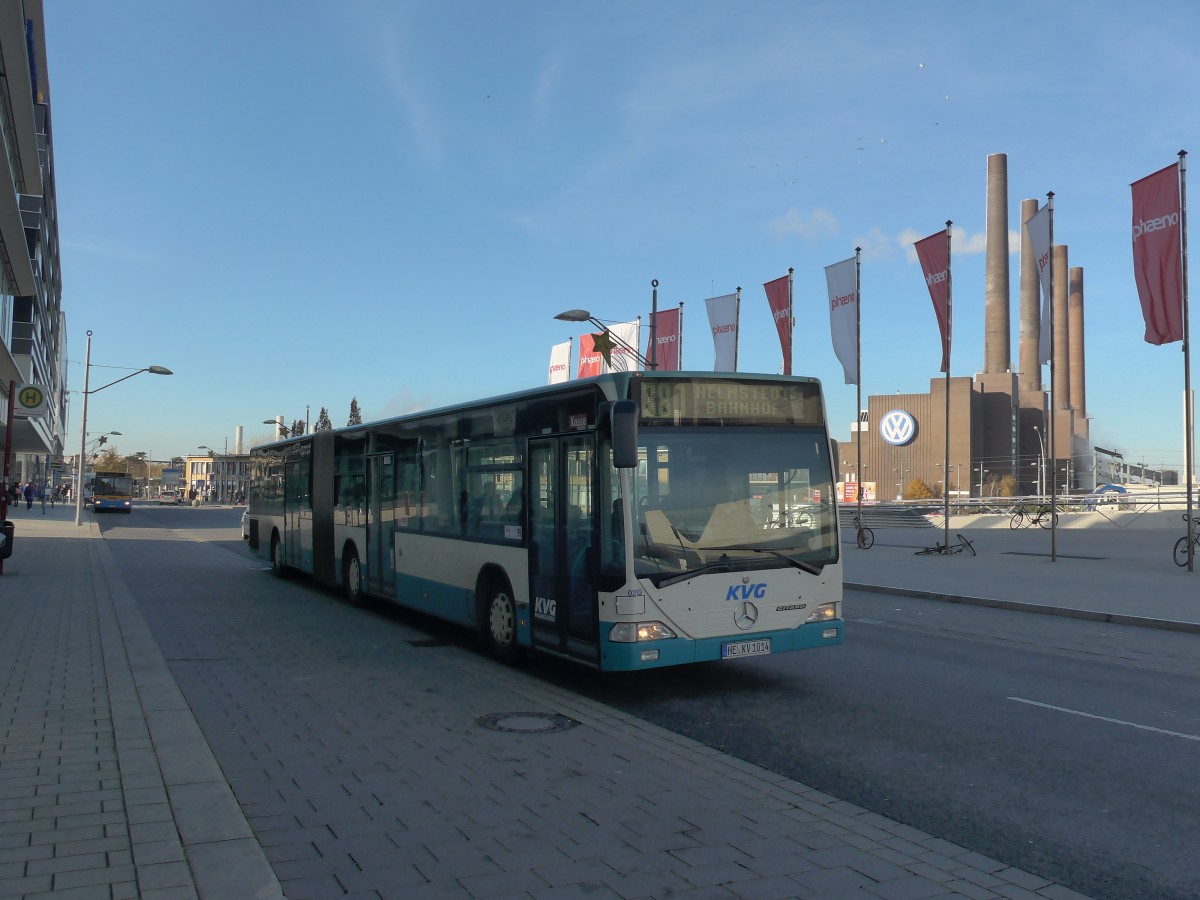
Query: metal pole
[949,332]
[653,324]
[12,400]
[87,371]
[1053,408]
[858,365]
[1189,425]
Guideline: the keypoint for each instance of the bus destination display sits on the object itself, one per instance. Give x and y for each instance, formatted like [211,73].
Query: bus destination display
[682,401]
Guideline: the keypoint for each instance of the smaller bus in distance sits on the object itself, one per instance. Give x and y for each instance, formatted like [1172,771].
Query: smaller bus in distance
[112,492]
[628,521]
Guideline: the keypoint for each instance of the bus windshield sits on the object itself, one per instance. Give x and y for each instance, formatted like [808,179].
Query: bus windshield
[707,497]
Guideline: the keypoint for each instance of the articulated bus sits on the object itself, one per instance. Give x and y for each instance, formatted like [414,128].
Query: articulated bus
[627,521]
[112,491]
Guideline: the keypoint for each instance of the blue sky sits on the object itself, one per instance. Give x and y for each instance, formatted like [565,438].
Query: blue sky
[291,204]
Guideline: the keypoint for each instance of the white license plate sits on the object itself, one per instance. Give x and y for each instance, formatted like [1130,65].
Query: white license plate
[745,648]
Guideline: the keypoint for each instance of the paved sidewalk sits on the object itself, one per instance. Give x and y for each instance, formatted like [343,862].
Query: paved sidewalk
[1125,576]
[109,789]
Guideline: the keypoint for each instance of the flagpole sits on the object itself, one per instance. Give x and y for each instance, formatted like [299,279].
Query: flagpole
[737,321]
[1053,407]
[653,354]
[857,370]
[787,363]
[949,342]
[679,338]
[1189,424]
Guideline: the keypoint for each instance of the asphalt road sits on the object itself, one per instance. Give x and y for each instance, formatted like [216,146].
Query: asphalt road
[1064,747]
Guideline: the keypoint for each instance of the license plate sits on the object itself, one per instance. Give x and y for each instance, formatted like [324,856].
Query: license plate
[745,648]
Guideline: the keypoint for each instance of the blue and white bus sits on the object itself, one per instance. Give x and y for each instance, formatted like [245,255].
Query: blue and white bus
[627,521]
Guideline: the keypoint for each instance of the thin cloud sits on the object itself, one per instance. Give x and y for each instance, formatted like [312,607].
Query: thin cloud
[962,243]
[818,224]
[392,58]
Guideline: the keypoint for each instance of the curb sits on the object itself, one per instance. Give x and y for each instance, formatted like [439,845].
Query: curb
[1019,606]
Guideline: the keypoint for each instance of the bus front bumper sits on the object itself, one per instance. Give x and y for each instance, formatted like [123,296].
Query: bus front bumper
[628,657]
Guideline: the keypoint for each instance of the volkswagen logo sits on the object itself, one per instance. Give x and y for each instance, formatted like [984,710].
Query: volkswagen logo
[898,427]
[745,615]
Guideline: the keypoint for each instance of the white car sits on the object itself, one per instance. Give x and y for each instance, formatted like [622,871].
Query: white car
[245,524]
[170,497]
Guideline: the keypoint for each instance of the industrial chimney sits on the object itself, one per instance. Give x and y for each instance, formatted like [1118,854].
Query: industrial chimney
[996,351]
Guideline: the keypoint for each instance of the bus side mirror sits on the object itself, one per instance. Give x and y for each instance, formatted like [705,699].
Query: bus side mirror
[624,434]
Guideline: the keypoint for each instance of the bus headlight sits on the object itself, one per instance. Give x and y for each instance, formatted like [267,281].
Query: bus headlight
[632,632]
[826,612]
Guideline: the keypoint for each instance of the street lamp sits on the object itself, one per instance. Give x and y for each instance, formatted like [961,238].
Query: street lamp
[1042,458]
[87,392]
[582,315]
[283,432]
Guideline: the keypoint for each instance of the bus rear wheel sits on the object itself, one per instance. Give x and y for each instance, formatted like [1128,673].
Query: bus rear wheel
[499,621]
[352,579]
[277,556]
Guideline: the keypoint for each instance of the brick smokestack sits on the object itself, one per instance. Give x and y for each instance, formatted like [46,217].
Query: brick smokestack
[1031,321]
[997,357]
[1075,319]
[1062,333]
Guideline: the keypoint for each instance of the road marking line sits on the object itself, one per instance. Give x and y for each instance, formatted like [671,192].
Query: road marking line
[1076,712]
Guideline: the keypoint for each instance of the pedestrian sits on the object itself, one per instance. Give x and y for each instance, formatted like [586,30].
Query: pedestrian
[29,494]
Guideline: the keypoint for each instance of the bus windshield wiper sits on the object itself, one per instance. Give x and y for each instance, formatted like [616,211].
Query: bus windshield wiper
[802,565]
[721,565]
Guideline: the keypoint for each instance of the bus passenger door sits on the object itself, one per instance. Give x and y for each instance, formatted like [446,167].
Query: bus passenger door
[293,498]
[381,523]
[561,556]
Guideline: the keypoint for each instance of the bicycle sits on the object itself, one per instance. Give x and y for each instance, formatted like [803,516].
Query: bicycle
[1181,547]
[963,544]
[864,535]
[1039,515]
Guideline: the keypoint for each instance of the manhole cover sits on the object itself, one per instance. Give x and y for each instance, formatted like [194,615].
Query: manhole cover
[526,722]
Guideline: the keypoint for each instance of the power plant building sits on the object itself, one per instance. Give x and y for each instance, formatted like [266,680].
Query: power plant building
[1001,424]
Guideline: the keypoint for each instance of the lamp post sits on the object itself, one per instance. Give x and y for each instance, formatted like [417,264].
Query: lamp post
[1042,459]
[282,429]
[982,472]
[87,392]
[582,315]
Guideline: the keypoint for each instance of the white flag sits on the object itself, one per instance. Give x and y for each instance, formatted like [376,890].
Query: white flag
[626,336]
[1038,229]
[560,363]
[723,318]
[841,280]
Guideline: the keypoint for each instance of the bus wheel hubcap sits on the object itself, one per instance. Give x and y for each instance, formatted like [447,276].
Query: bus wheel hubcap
[501,620]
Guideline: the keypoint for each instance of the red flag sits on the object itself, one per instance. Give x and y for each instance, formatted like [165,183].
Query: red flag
[591,361]
[1157,254]
[780,300]
[665,326]
[934,255]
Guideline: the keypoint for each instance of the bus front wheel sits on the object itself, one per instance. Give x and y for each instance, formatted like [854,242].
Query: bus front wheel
[499,621]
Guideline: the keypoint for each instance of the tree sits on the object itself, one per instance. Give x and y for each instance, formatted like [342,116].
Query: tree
[917,490]
[110,461]
[297,427]
[355,413]
[323,423]
[1007,487]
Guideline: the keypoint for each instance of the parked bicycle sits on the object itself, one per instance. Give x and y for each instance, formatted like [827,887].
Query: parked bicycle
[1038,515]
[963,544]
[864,535]
[1181,545]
